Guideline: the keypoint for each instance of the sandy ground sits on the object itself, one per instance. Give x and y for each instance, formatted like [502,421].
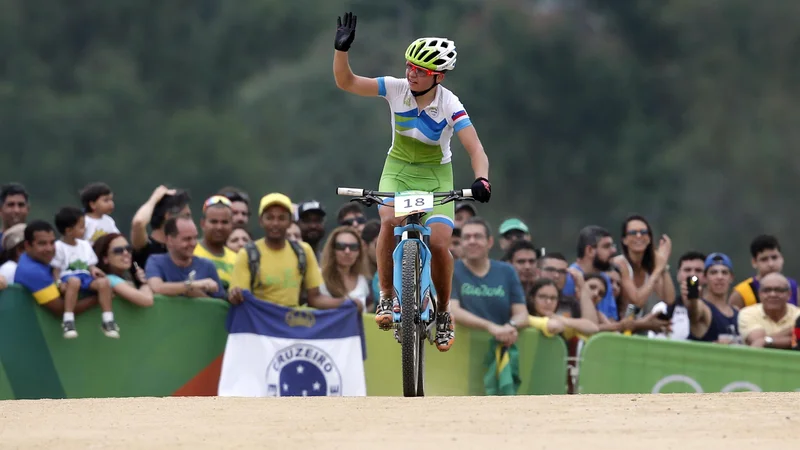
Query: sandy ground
[652,422]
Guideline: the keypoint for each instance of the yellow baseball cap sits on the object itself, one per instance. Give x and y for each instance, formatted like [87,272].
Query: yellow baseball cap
[274,198]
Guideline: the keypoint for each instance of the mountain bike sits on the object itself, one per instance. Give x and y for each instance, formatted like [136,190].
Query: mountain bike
[411,278]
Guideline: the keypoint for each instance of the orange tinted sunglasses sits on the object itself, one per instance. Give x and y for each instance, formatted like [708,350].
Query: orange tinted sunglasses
[420,71]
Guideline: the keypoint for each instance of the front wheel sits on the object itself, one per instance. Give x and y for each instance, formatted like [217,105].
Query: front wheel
[411,341]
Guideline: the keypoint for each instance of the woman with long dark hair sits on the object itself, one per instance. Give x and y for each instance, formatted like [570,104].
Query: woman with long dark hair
[344,267]
[644,269]
[115,258]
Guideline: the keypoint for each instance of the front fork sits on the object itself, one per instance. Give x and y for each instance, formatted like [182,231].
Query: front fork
[427,309]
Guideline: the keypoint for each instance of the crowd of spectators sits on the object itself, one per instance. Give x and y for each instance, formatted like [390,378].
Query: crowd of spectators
[613,283]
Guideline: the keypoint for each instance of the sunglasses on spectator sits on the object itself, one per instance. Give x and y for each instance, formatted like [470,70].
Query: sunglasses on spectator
[776,290]
[353,221]
[420,71]
[642,232]
[342,246]
[216,200]
[237,196]
[121,250]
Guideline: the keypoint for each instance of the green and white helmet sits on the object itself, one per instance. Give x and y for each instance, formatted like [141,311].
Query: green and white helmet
[432,53]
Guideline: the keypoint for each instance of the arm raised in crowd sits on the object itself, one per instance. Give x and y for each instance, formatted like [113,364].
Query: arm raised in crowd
[143,216]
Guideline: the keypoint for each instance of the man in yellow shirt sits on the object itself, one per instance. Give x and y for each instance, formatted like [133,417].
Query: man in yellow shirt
[217,225]
[770,323]
[279,280]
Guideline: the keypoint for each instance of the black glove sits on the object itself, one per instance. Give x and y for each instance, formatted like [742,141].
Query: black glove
[481,190]
[345,33]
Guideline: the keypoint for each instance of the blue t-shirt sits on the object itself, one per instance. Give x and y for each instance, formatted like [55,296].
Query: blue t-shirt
[489,297]
[160,265]
[36,277]
[607,306]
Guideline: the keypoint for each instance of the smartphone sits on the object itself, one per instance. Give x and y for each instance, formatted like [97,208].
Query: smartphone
[692,284]
[133,272]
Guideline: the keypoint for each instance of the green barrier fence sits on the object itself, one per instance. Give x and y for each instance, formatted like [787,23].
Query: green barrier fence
[460,371]
[172,348]
[176,347]
[614,364]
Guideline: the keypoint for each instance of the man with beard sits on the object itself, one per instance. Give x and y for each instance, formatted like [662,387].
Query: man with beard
[217,225]
[595,249]
[311,219]
[279,280]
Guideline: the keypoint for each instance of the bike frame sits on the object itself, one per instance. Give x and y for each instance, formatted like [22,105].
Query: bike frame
[422,310]
[411,229]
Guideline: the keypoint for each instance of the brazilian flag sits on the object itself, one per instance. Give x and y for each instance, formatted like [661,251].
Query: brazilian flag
[502,374]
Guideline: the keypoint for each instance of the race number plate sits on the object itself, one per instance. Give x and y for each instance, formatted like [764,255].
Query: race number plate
[410,202]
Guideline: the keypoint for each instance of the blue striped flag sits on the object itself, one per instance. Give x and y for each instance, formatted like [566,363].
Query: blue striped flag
[275,351]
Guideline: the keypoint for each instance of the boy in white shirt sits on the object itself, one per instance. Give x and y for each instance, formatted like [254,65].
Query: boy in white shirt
[75,272]
[98,203]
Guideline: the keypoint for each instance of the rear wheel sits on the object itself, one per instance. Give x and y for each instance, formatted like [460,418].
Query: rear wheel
[412,338]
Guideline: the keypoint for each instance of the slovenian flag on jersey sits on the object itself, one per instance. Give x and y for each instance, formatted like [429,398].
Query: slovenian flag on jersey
[274,351]
[457,115]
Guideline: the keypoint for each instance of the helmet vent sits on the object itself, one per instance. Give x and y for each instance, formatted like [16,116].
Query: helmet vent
[432,55]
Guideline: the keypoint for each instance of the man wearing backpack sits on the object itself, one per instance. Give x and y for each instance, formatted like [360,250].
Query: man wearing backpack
[276,269]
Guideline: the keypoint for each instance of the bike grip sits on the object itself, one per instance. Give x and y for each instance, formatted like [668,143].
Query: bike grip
[466,193]
[353,192]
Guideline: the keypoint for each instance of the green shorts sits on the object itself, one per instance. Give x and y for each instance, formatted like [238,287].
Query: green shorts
[401,176]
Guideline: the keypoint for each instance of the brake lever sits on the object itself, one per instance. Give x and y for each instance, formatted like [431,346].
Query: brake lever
[364,201]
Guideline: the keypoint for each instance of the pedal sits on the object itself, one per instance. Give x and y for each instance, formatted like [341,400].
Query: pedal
[397,335]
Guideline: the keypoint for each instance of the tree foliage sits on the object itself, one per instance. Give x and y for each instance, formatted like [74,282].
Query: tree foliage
[680,110]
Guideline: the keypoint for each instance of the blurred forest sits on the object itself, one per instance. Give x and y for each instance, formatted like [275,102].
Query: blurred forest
[684,111]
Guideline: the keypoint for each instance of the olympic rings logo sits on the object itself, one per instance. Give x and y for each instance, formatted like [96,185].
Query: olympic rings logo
[734,386]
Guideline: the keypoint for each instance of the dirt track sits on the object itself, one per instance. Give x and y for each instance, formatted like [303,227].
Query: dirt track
[653,422]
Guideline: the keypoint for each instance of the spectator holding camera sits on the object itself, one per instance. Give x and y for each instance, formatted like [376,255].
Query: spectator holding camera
[690,264]
[711,318]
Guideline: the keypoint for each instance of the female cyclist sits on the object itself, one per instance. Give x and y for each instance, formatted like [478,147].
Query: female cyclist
[425,115]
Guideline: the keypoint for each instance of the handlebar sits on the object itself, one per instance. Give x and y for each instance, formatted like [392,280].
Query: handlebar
[368,197]
[355,192]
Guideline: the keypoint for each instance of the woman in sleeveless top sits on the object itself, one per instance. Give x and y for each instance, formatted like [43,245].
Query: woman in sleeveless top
[645,273]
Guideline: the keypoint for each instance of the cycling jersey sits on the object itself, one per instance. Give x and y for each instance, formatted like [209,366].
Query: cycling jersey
[422,136]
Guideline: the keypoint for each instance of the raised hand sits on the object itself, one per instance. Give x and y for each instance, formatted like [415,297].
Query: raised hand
[345,32]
